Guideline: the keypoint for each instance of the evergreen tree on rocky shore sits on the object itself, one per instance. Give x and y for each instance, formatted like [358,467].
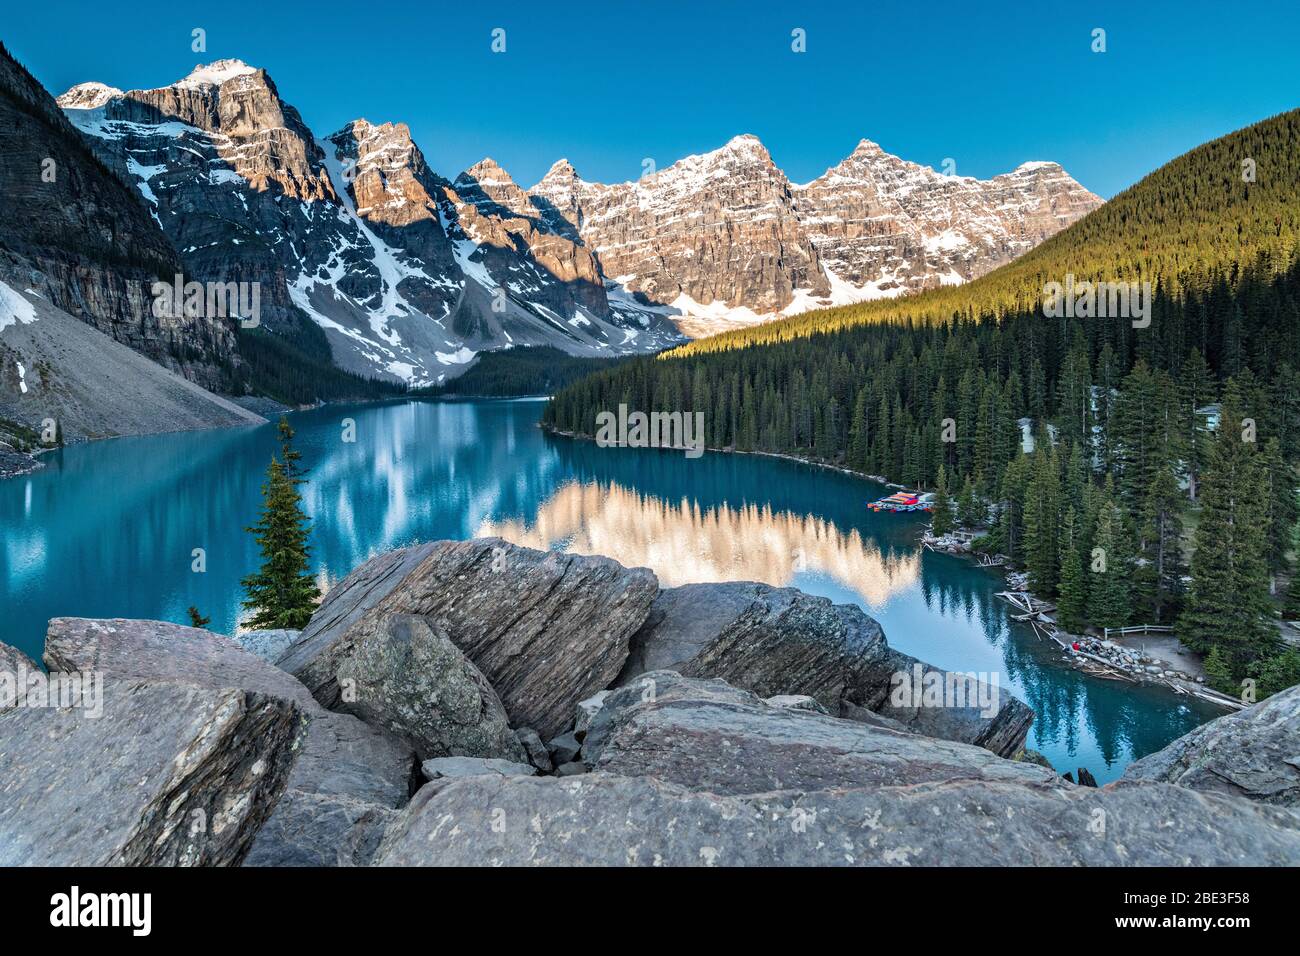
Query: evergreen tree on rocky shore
[282,593]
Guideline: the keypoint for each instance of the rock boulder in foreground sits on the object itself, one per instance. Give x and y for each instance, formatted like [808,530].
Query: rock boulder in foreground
[598,819]
[404,674]
[708,735]
[780,641]
[1254,753]
[546,629]
[206,753]
[343,769]
[169,774]
[14,664]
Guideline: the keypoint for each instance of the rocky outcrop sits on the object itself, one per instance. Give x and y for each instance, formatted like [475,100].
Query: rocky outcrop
[708,735]
[204,753]
[1254,753]
[86,242]
[61,368]
[260,136]
[782,641]
[343,771]
[598,819]
[719,227]
[401,673]
[169,774]
[546,629]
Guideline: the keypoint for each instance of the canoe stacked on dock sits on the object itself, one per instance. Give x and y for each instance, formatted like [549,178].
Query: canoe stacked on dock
[904,501]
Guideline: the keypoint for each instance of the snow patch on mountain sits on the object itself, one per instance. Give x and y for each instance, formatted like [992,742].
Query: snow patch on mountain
[14,309]
[214,74]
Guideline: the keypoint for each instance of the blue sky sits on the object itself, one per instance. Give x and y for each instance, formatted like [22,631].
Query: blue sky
[608,84]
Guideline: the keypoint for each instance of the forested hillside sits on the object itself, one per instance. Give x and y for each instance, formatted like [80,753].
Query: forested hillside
[930,391]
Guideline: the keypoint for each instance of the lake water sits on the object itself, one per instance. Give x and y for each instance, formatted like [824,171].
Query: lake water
[109,529]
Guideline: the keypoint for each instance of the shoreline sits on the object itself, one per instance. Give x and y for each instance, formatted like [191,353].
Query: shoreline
[815,463]
[1094,664]
[1102,657]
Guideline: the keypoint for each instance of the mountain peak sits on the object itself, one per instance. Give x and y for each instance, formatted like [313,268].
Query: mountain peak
[866,147]
[745,143]
[486,172]
[1037,166]
[361,128]
[560,169]
[215,73]
[87,96]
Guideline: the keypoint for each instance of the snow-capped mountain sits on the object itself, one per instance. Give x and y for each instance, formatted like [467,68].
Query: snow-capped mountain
[408,279]
[726,239]
[411,275]
[885,226]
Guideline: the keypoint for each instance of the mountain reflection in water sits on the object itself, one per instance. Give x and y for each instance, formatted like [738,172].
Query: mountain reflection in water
[683,543]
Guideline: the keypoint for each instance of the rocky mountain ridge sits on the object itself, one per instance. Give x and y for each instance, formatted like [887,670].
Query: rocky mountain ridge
[725,238]
[414,667]
[411,275]
[84,242]
[407,279]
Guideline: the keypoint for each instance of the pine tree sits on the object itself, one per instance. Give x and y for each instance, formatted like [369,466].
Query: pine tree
[941,523]
[1278,672]
[969,510]
[1009,532]
[1228,606]
[290,457]
[1158,577]
[1195,390]
[1109,600]
[197,619]
[1218,672]
[282,593]
[1071,605]
[1042,522]
[1280,502]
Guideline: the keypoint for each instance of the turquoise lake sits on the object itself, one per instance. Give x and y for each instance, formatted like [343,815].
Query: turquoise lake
[109,529]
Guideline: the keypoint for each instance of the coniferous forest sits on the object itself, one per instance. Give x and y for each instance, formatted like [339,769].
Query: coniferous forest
[1139,474]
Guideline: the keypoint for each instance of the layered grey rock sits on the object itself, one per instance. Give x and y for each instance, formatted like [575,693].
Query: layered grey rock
[268,645]
[538,755]
[399,672]
[588,709]
[564,748]
[708,735]
[440,768]
[979,713]
[546,629]
[342,769]
[796,702]
[170,774]
[775,641]
[597,819]
[13,665]
[1254,753]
